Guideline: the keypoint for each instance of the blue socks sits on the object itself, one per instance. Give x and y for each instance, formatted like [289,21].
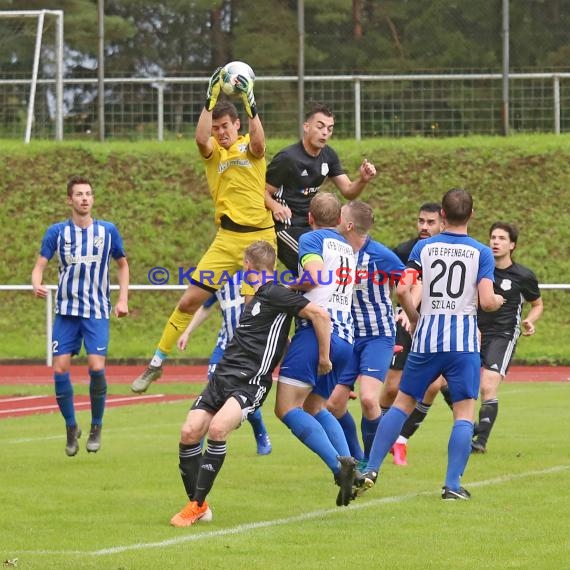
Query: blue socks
[458,451]
[64,397]
[98,395]
[334,431]
[388,431]
[369,429]
[311,433]
[256,421]
[349,428]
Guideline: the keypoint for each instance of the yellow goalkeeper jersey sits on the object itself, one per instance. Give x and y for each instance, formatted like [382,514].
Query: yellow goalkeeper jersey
[237,183]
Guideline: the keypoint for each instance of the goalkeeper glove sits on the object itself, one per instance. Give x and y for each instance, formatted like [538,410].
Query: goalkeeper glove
[213,91]
[244,85]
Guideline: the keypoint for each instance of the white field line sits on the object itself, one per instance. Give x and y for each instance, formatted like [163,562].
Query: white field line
[246,528]
[80,405]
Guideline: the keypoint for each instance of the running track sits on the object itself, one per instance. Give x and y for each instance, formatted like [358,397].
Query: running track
[18,405]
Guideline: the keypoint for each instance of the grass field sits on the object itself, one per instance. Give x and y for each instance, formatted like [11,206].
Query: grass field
[111,509]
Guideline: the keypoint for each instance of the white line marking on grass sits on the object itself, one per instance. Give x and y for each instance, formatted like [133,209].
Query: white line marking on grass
[284,521]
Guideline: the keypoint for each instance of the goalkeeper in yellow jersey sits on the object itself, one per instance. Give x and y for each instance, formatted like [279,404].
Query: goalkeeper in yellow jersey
[235,170]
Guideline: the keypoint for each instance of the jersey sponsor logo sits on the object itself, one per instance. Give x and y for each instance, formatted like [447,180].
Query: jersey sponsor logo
[506,284]
[324,168]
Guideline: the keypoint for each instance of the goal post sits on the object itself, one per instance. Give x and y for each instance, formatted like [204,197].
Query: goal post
[40,15]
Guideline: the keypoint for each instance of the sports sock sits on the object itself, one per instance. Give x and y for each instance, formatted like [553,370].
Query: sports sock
[64,397]
[158,358]
[458,451]
[212,462]
[311,433]
[388,431]
[368,429]
[487,416]
[98,395]
[256,421]
[190,458]
[348,426]
[176,325]
[415,419]
[334,431]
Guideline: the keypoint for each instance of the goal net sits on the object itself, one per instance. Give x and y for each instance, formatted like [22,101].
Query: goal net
[31,74]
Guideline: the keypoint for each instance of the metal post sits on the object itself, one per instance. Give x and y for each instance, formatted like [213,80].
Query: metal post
[49,327]
[556,88]
[59,75]
[32,100]
[101,69]
[160,111]
[505,103]
[301,65]
[357,119]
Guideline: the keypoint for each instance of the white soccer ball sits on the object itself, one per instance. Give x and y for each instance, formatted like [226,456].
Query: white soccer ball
[229,73]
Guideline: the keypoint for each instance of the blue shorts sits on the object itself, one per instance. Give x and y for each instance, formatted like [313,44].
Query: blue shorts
[302,361]
[371,356]
[214,360]
[69,333]
[460,369]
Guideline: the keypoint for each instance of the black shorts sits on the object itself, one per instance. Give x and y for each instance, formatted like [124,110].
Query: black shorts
[497,352]
[404,339]
[288,247]
[219,390]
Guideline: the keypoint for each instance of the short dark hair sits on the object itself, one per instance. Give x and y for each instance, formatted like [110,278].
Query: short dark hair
[318,108]
[457,204]
[225,107]
[74,180]
[432,207]
[361,215]
[325,209]
[509,228]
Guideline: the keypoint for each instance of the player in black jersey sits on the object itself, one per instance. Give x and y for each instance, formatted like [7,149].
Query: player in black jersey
[500,330]
[243,377]
[297,173]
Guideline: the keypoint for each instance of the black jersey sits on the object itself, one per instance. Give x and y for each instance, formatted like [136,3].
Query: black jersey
[261,335]
[404,249]
[516,284]
[298,176]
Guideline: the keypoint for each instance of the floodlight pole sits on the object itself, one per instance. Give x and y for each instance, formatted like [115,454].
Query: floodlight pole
[101,68]
[505,102]
[301,64]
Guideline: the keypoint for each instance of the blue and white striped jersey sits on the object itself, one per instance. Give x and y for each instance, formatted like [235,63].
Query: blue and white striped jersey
[231,306]
[377,270]
[452,266]
[336,282]
[83,255]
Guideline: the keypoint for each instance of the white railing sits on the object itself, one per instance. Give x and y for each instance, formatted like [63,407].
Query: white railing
[53,288]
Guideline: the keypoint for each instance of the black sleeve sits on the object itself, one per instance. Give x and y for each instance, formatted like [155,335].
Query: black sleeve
[278,170]
[529,287]
[287,300]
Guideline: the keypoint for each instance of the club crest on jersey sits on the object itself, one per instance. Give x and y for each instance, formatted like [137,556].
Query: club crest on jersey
[256,309]
[98,242]
[242,147]
[506,284]
[324,168]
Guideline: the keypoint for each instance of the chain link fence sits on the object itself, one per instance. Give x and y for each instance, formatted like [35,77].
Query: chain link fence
[364,106]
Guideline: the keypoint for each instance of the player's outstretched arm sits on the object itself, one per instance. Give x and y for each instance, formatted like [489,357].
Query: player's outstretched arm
[352,189]
[534,314]
[38,276]
[122,305]
[489,301]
